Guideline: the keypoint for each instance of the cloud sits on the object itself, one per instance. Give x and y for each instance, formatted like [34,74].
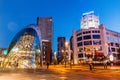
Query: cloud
[12,26]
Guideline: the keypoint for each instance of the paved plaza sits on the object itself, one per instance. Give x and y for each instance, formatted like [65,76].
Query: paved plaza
[59,72]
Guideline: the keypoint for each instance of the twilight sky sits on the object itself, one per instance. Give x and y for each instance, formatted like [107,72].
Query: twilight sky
[16,14]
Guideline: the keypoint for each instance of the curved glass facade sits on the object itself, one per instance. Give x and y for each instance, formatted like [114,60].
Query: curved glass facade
[24,50]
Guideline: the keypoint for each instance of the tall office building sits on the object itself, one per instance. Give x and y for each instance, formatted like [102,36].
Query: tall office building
[46,28]
[61,45]
[89,20]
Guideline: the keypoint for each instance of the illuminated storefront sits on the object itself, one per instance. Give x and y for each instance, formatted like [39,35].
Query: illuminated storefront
[94,41]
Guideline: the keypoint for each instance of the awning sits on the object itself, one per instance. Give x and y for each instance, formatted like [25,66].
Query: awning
[99,53]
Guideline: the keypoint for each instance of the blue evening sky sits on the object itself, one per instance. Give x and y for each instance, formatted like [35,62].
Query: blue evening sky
[16,14]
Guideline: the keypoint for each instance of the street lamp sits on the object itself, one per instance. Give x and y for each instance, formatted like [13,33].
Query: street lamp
[65,50]
[55,59]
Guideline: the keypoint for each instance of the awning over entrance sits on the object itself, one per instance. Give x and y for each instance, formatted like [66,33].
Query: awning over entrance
[99,53]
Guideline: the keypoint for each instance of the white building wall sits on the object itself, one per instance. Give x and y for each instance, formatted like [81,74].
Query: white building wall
[75,54]
[104,40]
[89,20]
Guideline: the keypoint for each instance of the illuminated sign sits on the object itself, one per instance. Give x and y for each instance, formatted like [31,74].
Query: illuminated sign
[111,57]
[91,12]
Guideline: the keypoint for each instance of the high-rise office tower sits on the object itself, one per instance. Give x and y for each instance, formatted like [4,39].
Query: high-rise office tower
[89,20]
[46,28]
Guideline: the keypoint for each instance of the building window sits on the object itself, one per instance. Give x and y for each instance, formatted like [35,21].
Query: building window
[80,49]
[79,38]
[87,37]
[98,31]
[83,32]
[80,55]
[97,42]
[87,42]
[111,44]
[79,34]
[113,49]
[79,44]
[93,31]
[88,32]
[96,36]
[117,45]
[61,45]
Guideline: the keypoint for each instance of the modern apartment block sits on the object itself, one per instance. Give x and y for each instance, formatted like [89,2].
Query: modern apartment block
[47,52]
[94,41]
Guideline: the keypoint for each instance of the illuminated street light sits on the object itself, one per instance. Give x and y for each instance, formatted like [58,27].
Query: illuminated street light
[66,48]
[67,53]
[55,59]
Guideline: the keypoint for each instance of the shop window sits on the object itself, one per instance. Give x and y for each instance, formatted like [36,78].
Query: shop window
[80,55]
[87,42]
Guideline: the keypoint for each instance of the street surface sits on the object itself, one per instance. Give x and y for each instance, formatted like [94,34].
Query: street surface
[59,72]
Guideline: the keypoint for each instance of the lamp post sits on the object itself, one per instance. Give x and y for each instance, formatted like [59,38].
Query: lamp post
[65,52]
[55,59]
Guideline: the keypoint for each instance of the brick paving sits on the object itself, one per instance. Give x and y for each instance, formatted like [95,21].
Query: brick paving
[59,72]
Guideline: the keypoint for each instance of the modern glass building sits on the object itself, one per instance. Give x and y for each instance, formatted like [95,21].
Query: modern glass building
[24,50]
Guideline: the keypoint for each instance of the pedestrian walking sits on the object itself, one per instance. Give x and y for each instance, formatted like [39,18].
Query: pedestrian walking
[93,65]
[90,63]
[47,65]
[105,63]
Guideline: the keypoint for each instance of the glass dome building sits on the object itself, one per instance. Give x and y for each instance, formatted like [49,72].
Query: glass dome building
[24,50]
